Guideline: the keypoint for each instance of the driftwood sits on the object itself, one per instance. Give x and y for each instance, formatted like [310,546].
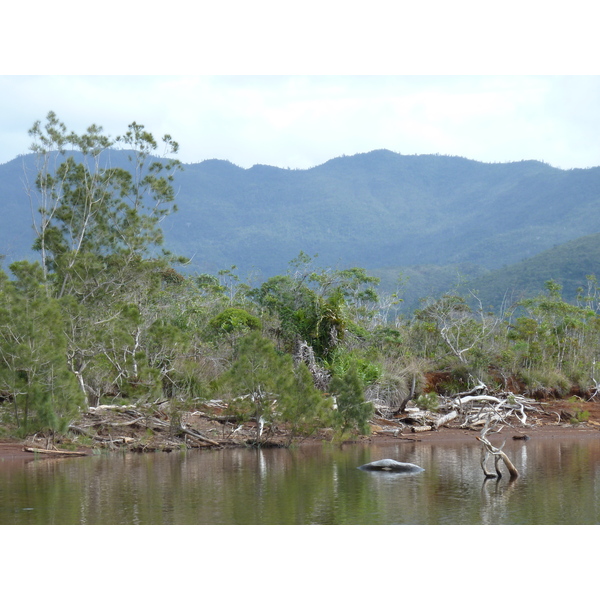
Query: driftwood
[446,419]
[123,423]
[101,438]
[477,410]
[497,453]
[115,407]
[197,435]
[421,428]
[470,410]
[54,452]
[168,427]
[84,432]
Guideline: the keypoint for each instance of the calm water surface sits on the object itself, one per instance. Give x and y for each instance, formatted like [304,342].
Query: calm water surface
[559,484]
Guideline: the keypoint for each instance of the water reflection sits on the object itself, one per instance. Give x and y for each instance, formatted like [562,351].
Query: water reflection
[559,483]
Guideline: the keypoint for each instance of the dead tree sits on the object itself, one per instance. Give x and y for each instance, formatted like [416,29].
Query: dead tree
[305,353]
[488,449]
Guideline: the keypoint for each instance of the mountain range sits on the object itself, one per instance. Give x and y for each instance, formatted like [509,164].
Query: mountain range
[435,219]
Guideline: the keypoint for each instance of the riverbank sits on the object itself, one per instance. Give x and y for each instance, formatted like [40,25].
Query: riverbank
[123,428]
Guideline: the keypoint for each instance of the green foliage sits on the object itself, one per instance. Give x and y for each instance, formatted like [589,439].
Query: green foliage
[318,306]
[303,409]
[342,360]
[387,339]
[353,411]
[549,381]
[188,380]
[429,401]
[451,318]
[303,314]
[581,416]
[254,379]
[267,389]
[234,320]
[91,214]
[99,239]
[33,370]
[553,333]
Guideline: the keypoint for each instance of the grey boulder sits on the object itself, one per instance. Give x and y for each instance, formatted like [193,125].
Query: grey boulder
[392,466]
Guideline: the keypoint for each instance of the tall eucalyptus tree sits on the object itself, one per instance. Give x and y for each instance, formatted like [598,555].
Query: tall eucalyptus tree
[97,215]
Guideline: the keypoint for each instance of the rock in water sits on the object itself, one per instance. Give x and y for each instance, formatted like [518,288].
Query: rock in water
[392,466]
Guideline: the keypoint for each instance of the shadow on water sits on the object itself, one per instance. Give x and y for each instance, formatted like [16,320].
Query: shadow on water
[559,483]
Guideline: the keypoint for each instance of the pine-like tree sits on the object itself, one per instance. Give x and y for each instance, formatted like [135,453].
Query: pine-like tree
[353,410]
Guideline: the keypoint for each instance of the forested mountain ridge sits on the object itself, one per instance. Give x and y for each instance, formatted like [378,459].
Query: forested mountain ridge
[376,210]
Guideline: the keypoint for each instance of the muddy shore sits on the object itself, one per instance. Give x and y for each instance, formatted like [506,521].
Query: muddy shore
[138,435]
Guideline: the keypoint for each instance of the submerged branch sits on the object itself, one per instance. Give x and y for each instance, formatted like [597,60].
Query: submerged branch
[498,455]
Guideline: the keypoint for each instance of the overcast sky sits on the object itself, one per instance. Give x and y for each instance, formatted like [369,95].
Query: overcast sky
[300,121]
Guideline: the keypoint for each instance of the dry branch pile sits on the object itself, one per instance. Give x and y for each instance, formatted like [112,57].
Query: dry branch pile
[471,410]
[140,428]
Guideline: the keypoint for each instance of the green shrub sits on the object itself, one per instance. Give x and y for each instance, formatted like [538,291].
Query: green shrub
[581,416]
[353,410]
[341,361]
[234,320]
[430,401]
[549,380]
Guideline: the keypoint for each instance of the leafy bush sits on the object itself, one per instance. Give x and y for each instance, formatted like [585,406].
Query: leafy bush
[580,417]
[430,401]
[268,389]
[341,361]
[234,320]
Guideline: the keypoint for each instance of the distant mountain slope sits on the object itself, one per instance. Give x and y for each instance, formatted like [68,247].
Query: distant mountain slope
[375,210]
[16,235]
[568,264]
[418,282]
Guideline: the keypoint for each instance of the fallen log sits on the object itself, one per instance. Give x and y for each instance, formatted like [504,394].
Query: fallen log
[54,452]
[445,419]
[95,437]
[421,428]
[115,407]
[117,424]
[481,398]
[195,434]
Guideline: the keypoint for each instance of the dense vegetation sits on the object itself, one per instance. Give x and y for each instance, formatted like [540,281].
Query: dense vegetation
[104,316]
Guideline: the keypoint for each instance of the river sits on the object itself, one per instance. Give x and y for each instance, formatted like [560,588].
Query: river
[559,483]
